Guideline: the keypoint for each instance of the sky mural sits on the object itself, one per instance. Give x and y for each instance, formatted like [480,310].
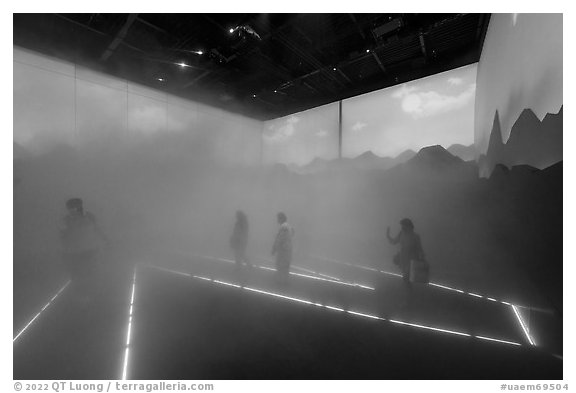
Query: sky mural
[437,110]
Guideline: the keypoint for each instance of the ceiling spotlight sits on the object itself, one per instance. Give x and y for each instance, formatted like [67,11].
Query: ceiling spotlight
[275,91]
[182,64]
[334,69]
[231,31]
[198,52]
[160,79]
[254,95]
[367,50]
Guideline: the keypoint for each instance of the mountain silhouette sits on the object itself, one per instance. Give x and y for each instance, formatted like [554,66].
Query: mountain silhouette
[369,160]
[404,156]
[435,157]
[467,153]
[531,142]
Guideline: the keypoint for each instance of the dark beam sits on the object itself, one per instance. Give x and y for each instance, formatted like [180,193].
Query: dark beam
[81,25]
[310,59]
[377,58]
[153,26]
[344,75]
[195,80]
[357,26]
[96,31]
[119,38]
[422,45]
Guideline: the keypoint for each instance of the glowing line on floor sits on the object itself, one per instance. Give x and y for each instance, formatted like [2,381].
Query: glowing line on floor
[172,271]
[129,331]
[365,315]
[335,308]
[497,340]
[524,328]
[430,328]
[314,272]
[227,283]
[40,312]
[335,281]
[432,284]
[277,295]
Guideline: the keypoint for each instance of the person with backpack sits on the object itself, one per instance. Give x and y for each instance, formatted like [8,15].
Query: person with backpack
[411,251]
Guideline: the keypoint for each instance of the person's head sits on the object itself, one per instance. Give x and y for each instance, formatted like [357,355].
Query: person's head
[407,224]
[240,215]
[281,218]
[75,205]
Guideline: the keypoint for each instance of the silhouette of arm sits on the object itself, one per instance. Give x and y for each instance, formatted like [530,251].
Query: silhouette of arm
[392,240]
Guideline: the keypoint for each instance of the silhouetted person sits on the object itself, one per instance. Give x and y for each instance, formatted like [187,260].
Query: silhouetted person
[282,247]
[81,241]
[410,249]
[239,239]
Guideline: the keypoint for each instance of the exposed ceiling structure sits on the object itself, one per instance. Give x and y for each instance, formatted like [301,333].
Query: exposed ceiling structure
[261,65]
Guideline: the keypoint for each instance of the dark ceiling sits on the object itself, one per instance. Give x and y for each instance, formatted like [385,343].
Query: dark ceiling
[271,65]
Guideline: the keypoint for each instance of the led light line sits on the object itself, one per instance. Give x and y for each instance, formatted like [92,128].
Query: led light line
[129,331]
[524,328]
[364,315]
[334,281]
[430,283]
[40,312]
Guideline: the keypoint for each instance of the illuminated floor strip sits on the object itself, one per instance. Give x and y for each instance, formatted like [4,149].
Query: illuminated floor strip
[334,280]
[524,328]
[430,328]
[129,332]
[432,284]
[314,272]
[497,340]
[364,315]
[40,312]
[514,307]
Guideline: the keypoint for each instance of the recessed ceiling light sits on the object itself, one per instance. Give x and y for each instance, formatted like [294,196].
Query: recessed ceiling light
[231,31]
[367,50]
[182,64]
[334,69]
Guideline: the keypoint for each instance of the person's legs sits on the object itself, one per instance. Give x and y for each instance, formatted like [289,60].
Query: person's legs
[282,268]
[407,284]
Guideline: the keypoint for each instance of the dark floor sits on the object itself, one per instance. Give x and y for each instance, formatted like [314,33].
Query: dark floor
[187,328]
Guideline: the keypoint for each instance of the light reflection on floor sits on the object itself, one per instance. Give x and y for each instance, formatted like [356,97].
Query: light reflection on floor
[41,311]
[334,308]
[129,329]
[491,299]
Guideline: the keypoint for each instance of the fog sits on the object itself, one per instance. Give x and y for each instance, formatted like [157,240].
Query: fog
[164,178]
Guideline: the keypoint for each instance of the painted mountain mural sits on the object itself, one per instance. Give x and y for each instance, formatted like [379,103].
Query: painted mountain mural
[531,142]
